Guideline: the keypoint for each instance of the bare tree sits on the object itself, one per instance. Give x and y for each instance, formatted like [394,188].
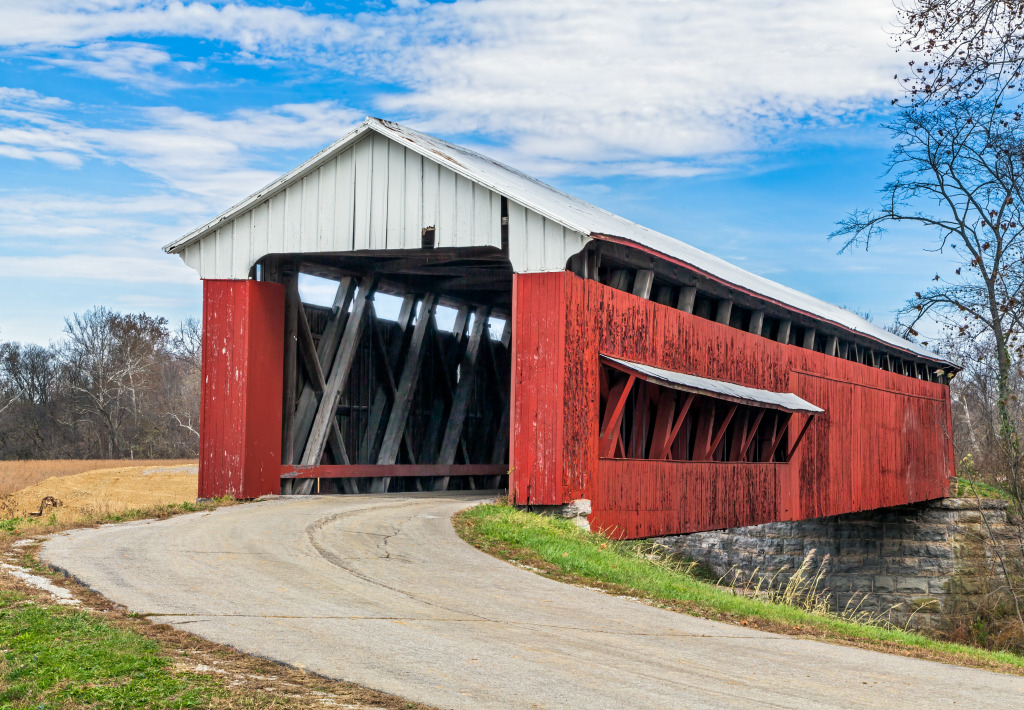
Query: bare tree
[962,49]
[110,358]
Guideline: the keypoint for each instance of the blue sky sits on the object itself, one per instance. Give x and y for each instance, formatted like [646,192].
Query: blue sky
[746,128]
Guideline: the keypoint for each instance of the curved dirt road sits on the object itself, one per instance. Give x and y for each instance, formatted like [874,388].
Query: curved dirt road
[380,591]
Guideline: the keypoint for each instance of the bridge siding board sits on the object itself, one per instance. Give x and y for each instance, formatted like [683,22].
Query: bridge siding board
[240,406]
[880,442]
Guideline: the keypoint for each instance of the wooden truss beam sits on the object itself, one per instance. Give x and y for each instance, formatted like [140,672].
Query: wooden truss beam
[338,378]
[407,383]
[614,409]
[394,470]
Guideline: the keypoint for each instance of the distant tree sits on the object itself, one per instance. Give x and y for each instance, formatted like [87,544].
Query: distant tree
[111,363]
[31,419]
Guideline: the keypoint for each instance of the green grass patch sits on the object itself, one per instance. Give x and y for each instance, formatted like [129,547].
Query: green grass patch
[563,551]
[977,489]
[54,656]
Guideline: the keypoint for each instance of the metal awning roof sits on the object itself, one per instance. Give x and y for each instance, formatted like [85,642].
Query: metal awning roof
[786,401]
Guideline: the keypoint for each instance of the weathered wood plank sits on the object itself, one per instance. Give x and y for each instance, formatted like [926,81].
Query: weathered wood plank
[308,399]
[292,306]
[394,470]
[407,383]
[687,297]
[756,322]
[307,350]
[460,404]
[643,283]
[339,375]
[784,327]
[724,311]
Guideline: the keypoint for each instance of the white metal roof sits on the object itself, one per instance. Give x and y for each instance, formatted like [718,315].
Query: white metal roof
[717,388]
[573,214]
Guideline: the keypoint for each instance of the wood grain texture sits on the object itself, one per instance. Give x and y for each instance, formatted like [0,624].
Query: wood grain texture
[240,406]
[882,441]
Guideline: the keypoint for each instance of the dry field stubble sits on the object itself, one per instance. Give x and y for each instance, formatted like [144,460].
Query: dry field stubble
[15,475]
[96,489]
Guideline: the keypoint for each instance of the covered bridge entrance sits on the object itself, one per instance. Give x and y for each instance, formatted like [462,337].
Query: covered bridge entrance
[487,330]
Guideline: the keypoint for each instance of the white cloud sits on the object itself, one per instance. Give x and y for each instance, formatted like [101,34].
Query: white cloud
[626,86]
[131,63]
[211,158]
[640,79]
[104,267]
[271,30]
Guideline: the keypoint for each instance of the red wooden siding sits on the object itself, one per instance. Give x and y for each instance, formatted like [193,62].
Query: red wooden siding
[538,384]
[240,415]
[882,441]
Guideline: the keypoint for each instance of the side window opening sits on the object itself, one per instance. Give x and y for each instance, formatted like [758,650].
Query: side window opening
[644,419]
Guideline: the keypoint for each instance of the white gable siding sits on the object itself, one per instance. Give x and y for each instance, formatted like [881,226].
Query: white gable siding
[377,194]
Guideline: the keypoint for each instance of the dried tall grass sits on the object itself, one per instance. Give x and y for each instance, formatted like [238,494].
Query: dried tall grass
[15,475]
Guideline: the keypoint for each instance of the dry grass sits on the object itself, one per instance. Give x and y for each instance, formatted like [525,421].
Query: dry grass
[103,493]
[15,475]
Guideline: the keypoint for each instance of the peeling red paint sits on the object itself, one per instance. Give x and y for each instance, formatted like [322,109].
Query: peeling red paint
[882,441]
[240,407]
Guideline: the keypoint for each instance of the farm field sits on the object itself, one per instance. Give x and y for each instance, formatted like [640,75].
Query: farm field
[95,489]
[15,475]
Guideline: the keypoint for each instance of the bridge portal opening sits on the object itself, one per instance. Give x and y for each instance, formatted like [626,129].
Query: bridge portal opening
[397,370]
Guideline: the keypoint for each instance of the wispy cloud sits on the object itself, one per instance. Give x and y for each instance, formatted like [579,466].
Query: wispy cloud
[215,158]
[132,63]
[625,89]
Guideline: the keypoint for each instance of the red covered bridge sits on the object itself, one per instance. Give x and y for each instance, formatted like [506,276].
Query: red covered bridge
[489,330]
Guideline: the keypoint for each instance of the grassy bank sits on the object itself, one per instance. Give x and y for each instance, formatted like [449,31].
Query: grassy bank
[558,549]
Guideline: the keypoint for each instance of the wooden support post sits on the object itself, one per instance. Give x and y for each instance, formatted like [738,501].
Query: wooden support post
[724,312]
[676,427]
[687,297]
[292,306]
[809,334]
[308,399]
[780,432]
[784,326]
[316,377]
[638,435]
[831,345]
[844,349]
[593,261]
[756,322]
[619,279]
[705,431]
[386,389]
[721,431]
[663,295]
[663,421]
[643,283]
[751,434]
[736,445]
[609,435]
[411,370]
[338,378]
[799,437]
[463,390]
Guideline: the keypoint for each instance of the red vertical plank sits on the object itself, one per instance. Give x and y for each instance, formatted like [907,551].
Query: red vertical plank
[240,406]
[538,382]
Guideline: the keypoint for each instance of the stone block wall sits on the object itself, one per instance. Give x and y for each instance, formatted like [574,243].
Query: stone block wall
[907,562]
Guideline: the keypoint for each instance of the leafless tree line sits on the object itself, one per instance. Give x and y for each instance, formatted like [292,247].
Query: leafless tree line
[114,386]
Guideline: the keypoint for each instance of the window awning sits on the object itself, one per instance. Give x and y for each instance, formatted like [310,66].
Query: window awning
[785,401]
